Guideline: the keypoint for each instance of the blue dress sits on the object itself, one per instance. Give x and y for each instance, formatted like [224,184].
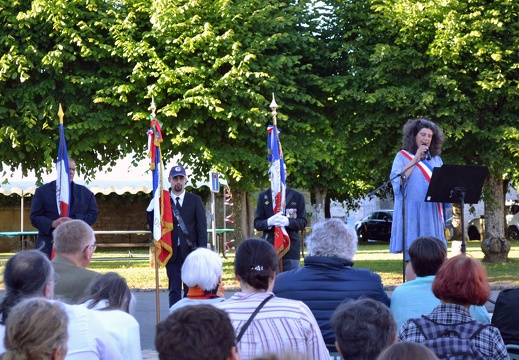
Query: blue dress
[422,218]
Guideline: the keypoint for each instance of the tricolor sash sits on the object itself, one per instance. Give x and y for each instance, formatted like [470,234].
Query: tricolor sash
[425,168]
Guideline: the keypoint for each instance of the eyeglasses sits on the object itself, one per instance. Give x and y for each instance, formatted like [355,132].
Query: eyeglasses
[93,246]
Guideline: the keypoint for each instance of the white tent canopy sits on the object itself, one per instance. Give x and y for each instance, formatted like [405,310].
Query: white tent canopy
[26,187]
[105,181]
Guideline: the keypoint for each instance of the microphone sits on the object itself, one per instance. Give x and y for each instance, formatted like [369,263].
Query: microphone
[427,154]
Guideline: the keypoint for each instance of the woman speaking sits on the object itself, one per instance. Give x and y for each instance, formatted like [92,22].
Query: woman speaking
[420,154]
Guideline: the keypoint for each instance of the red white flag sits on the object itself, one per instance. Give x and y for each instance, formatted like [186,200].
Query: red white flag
[161,201]
[63,179]
[278,188]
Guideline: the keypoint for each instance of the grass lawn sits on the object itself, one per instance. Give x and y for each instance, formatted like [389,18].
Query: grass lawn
[374,256]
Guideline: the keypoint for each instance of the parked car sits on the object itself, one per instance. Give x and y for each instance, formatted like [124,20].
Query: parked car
[375,226]
[475,226]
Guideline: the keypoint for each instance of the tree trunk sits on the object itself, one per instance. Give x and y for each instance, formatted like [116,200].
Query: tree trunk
[243,217]
[320,200]
[495,246]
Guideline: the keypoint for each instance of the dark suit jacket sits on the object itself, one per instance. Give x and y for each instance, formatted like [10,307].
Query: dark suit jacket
[193,214]
[296,205]
[44,208]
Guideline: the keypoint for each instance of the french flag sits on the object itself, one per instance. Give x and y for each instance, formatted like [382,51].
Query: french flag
[63,180]
[161,201]
[278,187]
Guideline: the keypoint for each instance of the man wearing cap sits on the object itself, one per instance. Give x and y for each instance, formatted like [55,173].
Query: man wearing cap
[189,229]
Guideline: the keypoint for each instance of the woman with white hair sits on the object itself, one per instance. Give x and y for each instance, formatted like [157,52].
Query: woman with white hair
[202,273]
[328,276]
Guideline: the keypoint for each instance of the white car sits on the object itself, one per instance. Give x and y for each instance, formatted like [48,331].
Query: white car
[474,229]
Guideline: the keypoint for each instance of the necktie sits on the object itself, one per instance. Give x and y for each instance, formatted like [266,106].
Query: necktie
[176,227]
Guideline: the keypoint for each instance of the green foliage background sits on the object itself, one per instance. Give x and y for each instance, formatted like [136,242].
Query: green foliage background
[346,75]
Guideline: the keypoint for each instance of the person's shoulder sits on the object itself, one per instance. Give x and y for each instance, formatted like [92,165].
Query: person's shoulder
[46,186]
[264,192]
[289,189]
[289,275]
[364,272]
[83,188]
[285,304]
[188,195]
[116,316]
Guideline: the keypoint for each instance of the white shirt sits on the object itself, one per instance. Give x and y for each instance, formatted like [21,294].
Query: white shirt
[181,202]
[87,338]
[122,328]
[181,197]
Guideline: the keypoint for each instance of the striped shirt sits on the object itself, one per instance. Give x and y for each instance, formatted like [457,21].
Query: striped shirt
[488,341]
[281,325]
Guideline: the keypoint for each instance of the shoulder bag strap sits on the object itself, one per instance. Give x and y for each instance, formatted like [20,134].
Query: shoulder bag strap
[181,223]
[242,331]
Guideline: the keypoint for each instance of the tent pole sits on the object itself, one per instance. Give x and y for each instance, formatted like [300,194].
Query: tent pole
[21,216]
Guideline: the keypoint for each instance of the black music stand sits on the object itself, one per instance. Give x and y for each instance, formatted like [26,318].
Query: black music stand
[457,184]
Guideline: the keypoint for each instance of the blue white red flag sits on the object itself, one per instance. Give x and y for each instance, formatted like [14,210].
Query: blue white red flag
[278,187]
[161,201]
[63,179]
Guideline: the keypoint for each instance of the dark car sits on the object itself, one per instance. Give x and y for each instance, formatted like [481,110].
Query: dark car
[375,226]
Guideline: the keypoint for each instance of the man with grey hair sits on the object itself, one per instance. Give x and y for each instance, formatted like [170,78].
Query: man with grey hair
[328,277]
[74,245]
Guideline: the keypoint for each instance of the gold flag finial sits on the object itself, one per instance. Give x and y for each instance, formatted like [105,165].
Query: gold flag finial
[60,114]
[274,106]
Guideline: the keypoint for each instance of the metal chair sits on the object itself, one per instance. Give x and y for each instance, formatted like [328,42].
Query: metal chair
[513,351]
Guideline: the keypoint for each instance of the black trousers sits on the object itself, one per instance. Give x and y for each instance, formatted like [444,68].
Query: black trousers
[175,284]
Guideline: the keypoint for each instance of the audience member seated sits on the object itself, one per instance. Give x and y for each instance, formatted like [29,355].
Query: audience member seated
[328,276]
[36,330]
[363,328]
[281,324]
[407,350]
[506,315]
[196,332]
[460,282]
[202,272]
[415,298]
[74,245]
[29,274]
[113,301]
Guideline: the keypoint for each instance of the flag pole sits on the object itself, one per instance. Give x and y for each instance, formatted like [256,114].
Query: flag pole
[157,285]
[274,106]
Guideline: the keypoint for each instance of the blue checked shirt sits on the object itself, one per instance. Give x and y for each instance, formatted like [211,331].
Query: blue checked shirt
[488,341]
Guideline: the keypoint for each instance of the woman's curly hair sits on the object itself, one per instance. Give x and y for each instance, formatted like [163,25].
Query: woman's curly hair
[413,127]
